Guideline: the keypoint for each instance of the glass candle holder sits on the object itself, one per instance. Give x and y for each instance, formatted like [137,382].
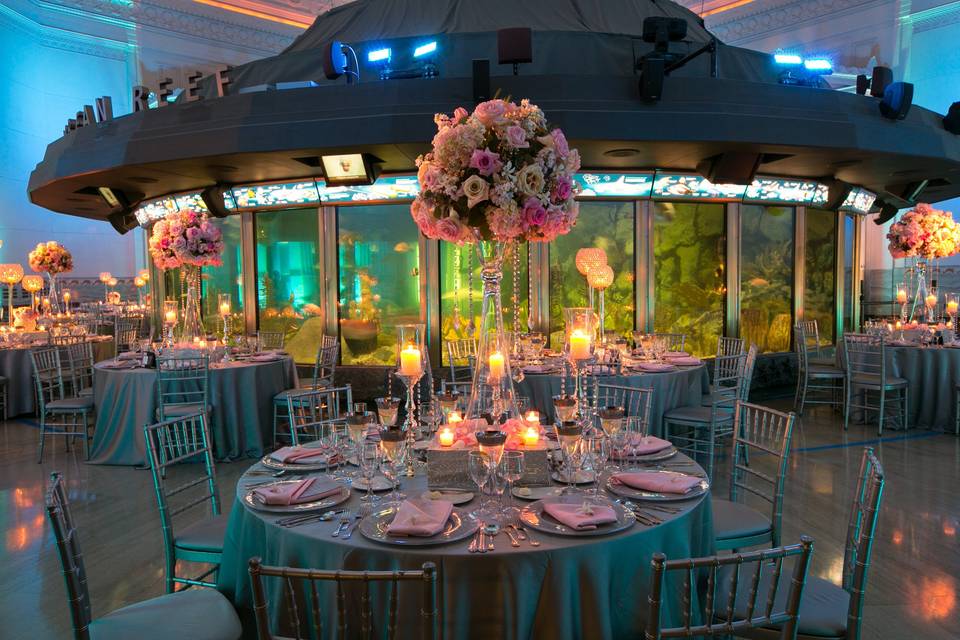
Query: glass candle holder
[579,343]
[410,368]
[224,310]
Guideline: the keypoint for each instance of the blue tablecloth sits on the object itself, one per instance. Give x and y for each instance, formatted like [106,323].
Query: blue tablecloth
[683,387]
[932,375]
[241,395]
[564,589]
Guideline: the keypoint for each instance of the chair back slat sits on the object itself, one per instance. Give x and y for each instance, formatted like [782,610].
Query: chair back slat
[325,365]
[318,414]
[810,336]
[864,513]
[295,582]
[267,340]
[749,364]
[635,401]
[462,356]
[757,612]
[864,356]
[729,346]
[47,374]
[80,359]
[761,430]
[71,556]
[183,381]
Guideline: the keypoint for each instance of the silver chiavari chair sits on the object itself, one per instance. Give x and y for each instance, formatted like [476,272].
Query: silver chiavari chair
[187,614]
[824,382]
[126,331]
[865,359]
[675,342]
[270,340]
[324,371]
[62,339]
[298,587]
[80,357]
[318,414]
[829,610]
[169,444]
[743,593]
[811,333]
[766,433]
[635,401]
[60,415]
[462,355]
[697,429]
[729,346]
[183,384]
[463,390]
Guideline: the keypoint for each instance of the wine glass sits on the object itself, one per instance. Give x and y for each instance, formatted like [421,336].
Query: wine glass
[511,468]
[393,446]
[478,466]
[537,342]
[634,429]
[565,407]
[369,461]
[387,409]
[569,434]
[596,450]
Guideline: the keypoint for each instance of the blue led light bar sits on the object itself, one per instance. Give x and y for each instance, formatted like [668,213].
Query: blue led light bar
[425,49]
[379,55]
[818,65]
[788,59]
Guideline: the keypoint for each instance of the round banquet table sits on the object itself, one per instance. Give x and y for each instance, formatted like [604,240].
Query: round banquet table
[932,375]
[681,387]
[241,415]
[568,587]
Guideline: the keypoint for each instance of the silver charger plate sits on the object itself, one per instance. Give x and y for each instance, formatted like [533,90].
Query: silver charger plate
[456,496]
[580,477]
[534,517]
[272,463]
[624,491]
[665,454]
[537,493]
[461,525]
[324,503]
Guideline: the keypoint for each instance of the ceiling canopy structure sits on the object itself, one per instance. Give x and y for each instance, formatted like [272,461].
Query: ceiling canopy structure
[279,115]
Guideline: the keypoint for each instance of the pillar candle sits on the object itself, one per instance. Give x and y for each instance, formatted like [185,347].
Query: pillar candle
[170,317]
[901,296]
[531,437]
[931,301]
[579,345]
[410,361]
[533,418]
[454,418]
[497,366]
[445,437]
[224,308]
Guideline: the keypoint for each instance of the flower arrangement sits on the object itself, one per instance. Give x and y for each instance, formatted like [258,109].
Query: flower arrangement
[50,257]
[924,232]
[498,173]
[185,238]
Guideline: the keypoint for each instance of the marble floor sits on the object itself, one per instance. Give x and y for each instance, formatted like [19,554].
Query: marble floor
[914,583]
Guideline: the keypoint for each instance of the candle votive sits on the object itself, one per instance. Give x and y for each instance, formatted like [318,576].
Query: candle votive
[445,437]
[531,436]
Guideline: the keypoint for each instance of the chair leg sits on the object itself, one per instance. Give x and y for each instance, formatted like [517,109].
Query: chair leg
[846,406]
[43,429]
[883,397]
[86,437]
[906,409]
[796,394]
[803,395]
[171,566]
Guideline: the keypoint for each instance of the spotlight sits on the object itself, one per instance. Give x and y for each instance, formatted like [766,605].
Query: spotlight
[350,169]
[379,55]
[114,198]
[838,193]
[818,66]
[951,121]
[213,198]
[425,49]
[335,63]
[881,77]
[123,221]
[788,59]
[887,212]
[897,100]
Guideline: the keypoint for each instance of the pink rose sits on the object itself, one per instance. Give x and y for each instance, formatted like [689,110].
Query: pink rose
[517,137]
[564,189]
[490,112]
[560,143]
[534,214]
[459,114]
[485,161]
[448,229]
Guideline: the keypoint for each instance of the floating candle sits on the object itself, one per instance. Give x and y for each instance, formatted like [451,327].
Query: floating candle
[497,366]
[579,345]
[445,437]
[410,364]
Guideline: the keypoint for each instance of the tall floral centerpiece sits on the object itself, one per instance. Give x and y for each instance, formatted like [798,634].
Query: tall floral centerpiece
[51,258]
[187,240]
[926,234]
[496,176]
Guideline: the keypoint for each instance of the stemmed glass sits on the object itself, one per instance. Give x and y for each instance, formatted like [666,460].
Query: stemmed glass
[478,466]
[369,461]
[511,468]
[393,446]
[633,431]
[596,450]
[565,407]
[387,409]
[569,435]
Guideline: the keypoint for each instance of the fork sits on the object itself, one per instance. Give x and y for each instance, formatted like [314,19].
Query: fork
[353,525]
[344,521]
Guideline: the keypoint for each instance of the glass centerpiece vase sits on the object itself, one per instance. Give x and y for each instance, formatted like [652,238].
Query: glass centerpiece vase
[410,366]
[492,390]
[191,328]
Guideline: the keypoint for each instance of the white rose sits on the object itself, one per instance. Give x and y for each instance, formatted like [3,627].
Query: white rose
[476,189]
[530,180]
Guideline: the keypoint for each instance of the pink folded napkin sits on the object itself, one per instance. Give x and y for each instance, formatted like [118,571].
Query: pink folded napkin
[685,360]
[580,516]
[638,445]
[654,366]
[658,481]
[288,493]
[303,455]
[418,517]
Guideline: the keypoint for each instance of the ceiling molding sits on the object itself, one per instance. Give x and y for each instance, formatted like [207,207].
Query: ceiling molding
[66,40]
[754,20]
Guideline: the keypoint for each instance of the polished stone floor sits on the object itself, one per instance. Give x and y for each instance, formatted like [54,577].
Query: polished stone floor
[914,583]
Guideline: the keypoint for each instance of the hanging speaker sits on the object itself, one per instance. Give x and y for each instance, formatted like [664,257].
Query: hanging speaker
[733,167]
[515,45]
[123,221]
[212,196]
[882,76]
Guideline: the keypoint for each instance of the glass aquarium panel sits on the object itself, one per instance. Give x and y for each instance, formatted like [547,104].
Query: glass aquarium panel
[155,210]
[859,200]
[227,278]
[786,190]
[278,194]
[610,226]
[689,241]
[385,188]
[614,185]
[288,279]
[820,279]
[461,295]
[849,230]
[674,186]
[766,276]
[379,258]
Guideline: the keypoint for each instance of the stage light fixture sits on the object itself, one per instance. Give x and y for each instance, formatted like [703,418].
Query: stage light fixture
[213,198]
[425,49]
[657,64]
[788,59]
[123,221]
[879,79]
[336,63]
[863,84]
[818,66]
[887,213]
[897,100]
[379,55]
[951,121]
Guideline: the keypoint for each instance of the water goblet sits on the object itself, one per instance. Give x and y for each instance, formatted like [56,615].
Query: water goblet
[393,445]
[511,468]
[387,409]
[569,434]
[369,461]
[596,450]
[478,467]
[565,407]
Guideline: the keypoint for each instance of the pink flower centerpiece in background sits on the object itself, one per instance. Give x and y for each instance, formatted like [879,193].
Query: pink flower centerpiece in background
[51,258]
[924,232]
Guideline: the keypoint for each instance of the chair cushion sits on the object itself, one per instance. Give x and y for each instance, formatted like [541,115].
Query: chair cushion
[735,520]
[197,613]
[823,606]
[71,404]
[869,380]
[698,414]
[205,535]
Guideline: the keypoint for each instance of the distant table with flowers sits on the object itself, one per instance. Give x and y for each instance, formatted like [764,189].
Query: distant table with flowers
[932,374]
[240,393]
[565,587]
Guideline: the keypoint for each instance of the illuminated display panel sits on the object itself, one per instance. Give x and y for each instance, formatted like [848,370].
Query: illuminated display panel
[191,201]
[859,200]
[614,185]
[386,188]
[283,194]
[155,210]
[779,190]
[675,186]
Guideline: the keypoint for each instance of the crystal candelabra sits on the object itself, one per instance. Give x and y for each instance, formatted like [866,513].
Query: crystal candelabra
[587,260]
[11,274]
[902,299]
[601,278]
[105,277]
[223,308]
[410,346]
[169,321]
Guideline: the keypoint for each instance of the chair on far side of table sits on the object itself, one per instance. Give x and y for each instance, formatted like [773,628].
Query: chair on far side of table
[865,359]
[185,443]
[825,382]
[183,386]
[198,614]
[324,372]
[268,340]
[60,415]
[310,619]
